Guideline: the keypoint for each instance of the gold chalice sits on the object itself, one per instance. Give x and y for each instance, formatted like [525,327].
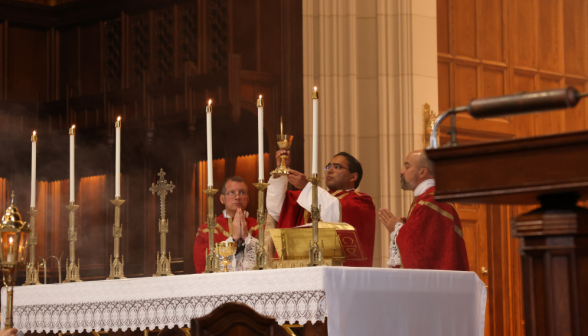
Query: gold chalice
[284,143]
[225,249]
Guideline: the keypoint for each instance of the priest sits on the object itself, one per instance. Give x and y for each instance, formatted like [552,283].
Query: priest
[431,236]
[232,225]
[341,203]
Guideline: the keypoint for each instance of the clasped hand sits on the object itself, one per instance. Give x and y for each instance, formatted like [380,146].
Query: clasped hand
[240,231]
[389,220]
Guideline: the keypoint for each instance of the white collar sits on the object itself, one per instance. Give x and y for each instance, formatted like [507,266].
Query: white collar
[421,188]
[225,214]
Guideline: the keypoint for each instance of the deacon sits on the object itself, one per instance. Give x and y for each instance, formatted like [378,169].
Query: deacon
[342,203]
[232,225]
[431,236]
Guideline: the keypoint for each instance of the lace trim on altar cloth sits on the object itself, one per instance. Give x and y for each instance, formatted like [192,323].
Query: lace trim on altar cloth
[395,259]
[245,260]
[292,307]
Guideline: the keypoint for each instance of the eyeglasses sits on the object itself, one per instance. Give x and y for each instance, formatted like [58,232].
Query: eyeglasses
[335,166]
[236,193]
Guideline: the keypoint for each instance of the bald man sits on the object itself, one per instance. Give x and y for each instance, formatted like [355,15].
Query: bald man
[430,237]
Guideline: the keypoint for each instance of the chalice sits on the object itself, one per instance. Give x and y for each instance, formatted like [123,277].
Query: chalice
[284,143]
[225,249]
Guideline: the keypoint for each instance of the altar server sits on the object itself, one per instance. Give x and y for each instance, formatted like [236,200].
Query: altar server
[232,225]
[341,203]
[431,236]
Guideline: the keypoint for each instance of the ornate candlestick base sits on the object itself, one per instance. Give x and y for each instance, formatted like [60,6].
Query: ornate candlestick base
[262,259]
[315,253]
[284,143]
[117,266]
[163,265]
[32,271]
[212,259]
[72,270]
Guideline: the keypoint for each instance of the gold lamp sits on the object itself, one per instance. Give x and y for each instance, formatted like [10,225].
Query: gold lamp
[14,235]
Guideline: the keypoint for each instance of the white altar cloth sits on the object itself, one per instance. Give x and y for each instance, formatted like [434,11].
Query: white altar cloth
[361,301]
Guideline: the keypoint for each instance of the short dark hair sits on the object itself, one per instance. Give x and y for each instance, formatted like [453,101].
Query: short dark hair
[354,166]
[234,179]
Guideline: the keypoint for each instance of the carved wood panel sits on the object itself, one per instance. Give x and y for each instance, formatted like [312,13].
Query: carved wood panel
[491,48]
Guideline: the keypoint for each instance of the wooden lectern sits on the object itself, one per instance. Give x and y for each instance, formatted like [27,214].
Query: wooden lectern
[552,171]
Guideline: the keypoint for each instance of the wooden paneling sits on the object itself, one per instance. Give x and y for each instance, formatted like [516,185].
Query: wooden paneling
[491,48]
[155,63]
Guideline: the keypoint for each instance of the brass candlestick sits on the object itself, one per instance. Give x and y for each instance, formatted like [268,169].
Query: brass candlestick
[262,260]
[284,143]
[117,266]
[73,270]
[162,188]
[32,271]
[226,249]
[212,260]
[315,253]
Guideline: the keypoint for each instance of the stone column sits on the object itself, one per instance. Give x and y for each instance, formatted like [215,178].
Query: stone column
[375,63]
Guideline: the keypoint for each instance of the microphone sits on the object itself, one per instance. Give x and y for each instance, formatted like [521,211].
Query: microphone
[524,102]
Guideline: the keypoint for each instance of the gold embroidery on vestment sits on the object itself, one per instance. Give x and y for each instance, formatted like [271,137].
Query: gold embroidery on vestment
[458,230]
[438,209]
[340,197]
[336,192]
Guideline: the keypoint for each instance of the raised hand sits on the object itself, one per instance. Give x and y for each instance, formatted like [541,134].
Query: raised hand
[388,219]
[244,232]
[279,160]
[297,179]
[237,225]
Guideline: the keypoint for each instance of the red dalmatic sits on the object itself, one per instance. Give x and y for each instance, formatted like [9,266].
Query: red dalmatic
[358,210]
[222,232]
[432,237]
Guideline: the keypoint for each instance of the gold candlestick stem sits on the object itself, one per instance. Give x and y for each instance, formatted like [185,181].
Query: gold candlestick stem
[262,260]
[116,265]
[212,260]
[162,188]
[316,253]
[73,270]
[32,271]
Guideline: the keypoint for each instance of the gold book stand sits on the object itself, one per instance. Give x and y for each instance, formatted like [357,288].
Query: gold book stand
[338,241]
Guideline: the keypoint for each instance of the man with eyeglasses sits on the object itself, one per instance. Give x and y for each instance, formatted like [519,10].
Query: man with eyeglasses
[430,237]
[232,225]
[341,203]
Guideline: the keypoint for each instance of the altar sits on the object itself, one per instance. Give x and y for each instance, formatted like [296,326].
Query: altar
[357,301]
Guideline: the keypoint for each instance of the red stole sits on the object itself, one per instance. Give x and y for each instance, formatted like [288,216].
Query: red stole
[358,210]
[432,237]
[222,232]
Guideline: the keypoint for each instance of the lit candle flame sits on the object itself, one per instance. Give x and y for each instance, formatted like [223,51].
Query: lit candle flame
[315,89]
[209,102]
[34,132]
[259,96]
[73,126]
[281,126]
[10,240]
[118,119]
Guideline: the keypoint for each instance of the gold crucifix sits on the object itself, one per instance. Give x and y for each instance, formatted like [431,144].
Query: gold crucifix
[162,188]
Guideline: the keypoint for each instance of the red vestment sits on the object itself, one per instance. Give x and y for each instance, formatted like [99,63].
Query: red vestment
[357,210]
[222,232]
[432,237]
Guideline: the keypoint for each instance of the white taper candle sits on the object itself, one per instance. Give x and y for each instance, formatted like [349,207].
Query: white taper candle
[209,141]
[33,168]
[260,136]
[117,129]
[315,109]
[72,160]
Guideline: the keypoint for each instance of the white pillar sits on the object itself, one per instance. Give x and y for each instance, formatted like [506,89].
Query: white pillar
[374,62]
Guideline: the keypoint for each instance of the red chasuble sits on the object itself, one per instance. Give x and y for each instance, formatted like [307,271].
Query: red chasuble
[432,237]
[222,232]
[358,210]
